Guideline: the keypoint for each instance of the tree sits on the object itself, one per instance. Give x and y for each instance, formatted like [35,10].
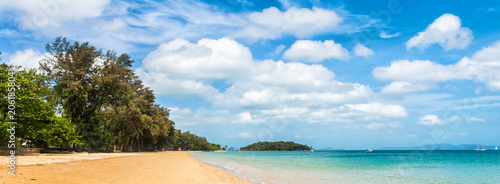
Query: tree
[87,80]
[36,119]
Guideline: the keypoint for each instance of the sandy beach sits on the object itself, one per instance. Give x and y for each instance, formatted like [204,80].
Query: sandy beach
[160,167]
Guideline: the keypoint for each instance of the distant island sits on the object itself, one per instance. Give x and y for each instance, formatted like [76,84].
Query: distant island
[275,146]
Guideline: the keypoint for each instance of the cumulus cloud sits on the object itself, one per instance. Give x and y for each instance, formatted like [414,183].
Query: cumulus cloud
[272,23]
[363,51]
[260,91]
[445,31]
[419,70]
[28,58]
[398,87]
[430,119]
[315,51]
[418,75]
[181,68]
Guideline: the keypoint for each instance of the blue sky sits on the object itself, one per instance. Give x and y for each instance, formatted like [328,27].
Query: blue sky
[340,74]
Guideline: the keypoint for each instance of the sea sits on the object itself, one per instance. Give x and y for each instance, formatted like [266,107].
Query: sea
[318,167]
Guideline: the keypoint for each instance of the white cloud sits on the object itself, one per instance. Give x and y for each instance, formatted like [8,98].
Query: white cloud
[39,14]
[272,23]
[379,109]
[419,70]
[431,119]
[398,87]
[246,117]
[445,31]
[384,34]
[182,112]
[315,51]
[182,68]
[258,91]
[279,49]
[28,58]
[363,51]
[483,67]
[344,114]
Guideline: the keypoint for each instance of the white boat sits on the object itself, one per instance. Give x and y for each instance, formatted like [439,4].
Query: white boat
[496,148]
[480,149]
[369,150]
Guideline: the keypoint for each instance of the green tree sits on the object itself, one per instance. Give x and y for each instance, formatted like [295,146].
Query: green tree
[36,119]
[86,80]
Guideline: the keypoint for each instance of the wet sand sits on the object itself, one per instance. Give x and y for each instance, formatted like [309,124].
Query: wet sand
[127,168]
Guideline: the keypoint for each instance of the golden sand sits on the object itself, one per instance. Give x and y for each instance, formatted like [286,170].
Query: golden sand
[127,168]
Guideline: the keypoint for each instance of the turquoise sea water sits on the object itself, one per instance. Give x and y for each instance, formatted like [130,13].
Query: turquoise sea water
[359,166]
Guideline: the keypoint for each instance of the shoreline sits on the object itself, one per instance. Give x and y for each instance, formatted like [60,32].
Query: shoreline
[144,167]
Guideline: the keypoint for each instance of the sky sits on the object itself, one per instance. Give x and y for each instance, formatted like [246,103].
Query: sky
[341,74]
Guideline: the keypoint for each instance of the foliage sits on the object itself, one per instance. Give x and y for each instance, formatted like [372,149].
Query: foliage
[36,120]
[275,146]
[188,141]
[84,85]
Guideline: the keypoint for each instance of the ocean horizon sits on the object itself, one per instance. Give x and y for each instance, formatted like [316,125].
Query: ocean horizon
[358,166]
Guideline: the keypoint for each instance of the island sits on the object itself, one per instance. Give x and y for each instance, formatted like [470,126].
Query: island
[275,146]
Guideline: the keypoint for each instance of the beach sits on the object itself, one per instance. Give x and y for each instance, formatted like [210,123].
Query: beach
[157,167]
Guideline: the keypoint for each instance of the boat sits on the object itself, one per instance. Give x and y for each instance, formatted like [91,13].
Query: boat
[369,150]
[496,148]
[480,149]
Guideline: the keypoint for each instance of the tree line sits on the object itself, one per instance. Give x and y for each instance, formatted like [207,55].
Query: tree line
[275,146]
[87,99]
